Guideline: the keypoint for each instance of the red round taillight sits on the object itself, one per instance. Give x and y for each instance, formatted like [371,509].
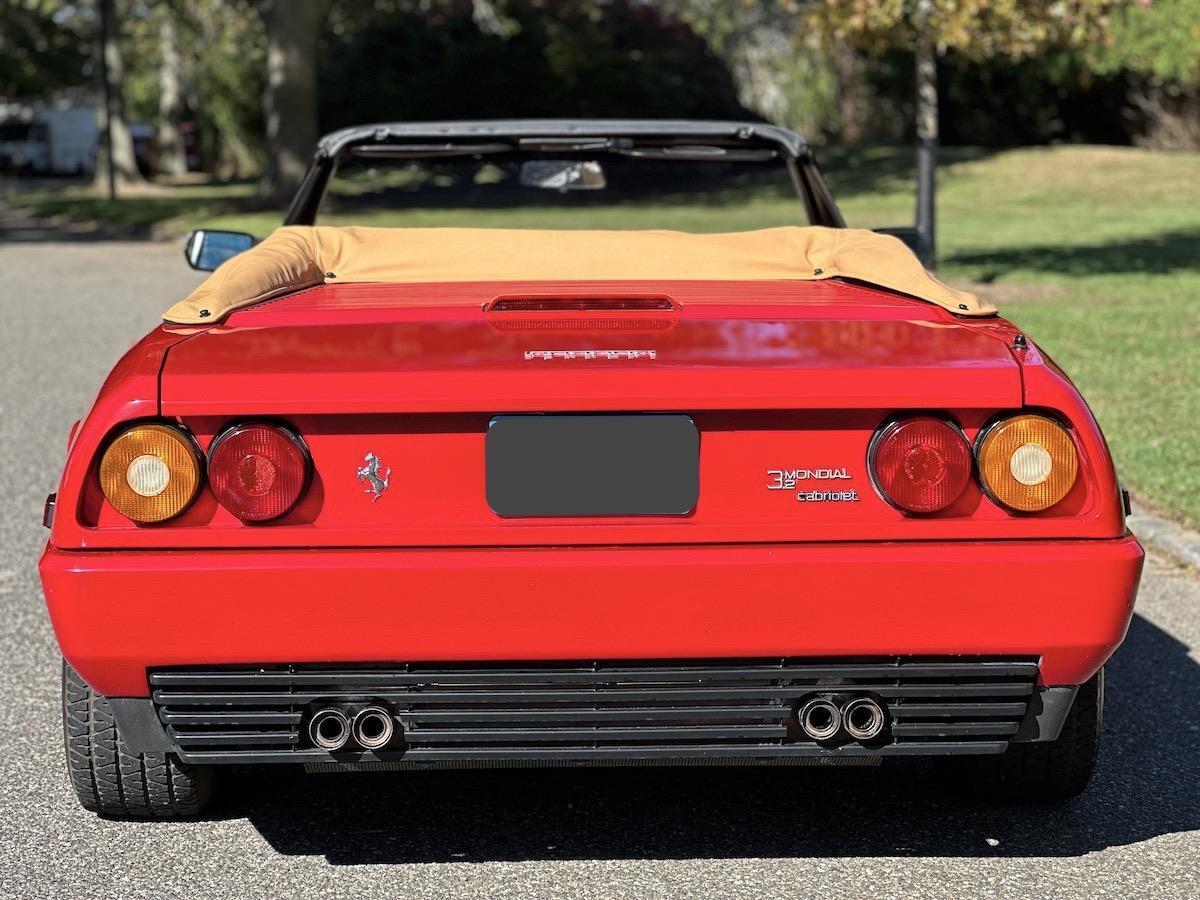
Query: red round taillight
[921,464]
[258,472]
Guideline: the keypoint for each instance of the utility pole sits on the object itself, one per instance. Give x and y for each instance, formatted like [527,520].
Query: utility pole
[106,13]
[927,131]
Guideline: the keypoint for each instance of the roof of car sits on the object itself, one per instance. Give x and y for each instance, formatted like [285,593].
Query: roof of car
[757,132]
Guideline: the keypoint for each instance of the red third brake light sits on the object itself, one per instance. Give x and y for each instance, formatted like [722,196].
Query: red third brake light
[257,471]
[921,464]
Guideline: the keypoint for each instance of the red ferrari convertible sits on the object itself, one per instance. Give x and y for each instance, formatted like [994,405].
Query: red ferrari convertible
[412,498]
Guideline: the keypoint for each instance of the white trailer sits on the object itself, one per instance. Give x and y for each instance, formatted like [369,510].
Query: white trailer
[71,135]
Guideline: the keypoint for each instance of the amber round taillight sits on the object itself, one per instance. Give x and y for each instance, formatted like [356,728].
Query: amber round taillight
[258,471]
[1027,463]
[150,472]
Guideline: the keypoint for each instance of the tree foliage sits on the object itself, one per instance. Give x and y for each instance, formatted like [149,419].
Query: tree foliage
[976,29]
[1159,39]
[782,73]
[543,58]
[1012,70]
[45,45]
[222,49]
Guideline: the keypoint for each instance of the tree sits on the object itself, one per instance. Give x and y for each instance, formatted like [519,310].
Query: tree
[1158,39]
[171,157]
[976,29]
[43,47]
[1155,45]
[620,58]
[782,74]
[198,63]
[925,56]
[290,101]
[116,164]
[223,43]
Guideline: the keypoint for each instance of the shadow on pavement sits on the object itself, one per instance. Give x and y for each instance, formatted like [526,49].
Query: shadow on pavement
[1148,784]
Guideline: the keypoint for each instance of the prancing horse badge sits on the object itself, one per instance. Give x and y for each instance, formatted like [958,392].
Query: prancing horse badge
[375,475]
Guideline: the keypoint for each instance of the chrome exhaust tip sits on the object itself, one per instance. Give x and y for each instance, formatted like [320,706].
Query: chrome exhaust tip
[820,719]
[373,727]
[864,718]
[329,729]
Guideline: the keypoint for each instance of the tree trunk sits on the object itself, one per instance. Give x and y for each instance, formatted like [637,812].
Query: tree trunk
[118,142]
[290,105]
[848,68]
[927,131]
[487,19]
[759,53]
[171,157]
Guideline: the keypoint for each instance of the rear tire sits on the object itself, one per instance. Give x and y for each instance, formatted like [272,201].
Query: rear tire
[111,780]
[1047,771]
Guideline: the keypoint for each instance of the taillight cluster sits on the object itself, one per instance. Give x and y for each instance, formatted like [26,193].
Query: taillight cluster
[257,471]
[922,464]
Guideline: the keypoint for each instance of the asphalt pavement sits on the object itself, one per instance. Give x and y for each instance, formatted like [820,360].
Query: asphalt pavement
[67,311]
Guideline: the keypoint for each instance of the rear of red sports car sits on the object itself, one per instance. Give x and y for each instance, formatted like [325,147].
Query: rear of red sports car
[653,522]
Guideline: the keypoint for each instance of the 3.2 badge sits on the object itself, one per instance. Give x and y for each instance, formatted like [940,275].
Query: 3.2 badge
[789,479]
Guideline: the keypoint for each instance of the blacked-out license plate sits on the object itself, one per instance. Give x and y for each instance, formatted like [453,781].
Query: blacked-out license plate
[593,465]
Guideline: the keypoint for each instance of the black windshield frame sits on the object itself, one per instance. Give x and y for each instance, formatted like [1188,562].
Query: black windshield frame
[432,140]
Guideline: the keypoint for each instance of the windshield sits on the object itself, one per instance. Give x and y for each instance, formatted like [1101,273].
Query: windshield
[697,189]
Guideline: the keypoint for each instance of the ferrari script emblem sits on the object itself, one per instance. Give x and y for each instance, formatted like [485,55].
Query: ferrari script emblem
[375,475]
[549,355]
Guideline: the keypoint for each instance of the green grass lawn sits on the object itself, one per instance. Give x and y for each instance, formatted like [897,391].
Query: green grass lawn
[1094,250]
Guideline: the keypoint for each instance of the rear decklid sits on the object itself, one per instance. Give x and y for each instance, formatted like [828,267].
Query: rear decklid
[345,349]
[774,391]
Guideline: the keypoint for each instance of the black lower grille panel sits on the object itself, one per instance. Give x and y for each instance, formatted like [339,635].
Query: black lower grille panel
[595,711]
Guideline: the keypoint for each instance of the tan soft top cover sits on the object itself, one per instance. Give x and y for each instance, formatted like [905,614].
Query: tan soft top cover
[297,257]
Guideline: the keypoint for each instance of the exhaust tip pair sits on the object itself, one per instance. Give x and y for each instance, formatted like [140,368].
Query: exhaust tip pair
[371,728]
[861,717]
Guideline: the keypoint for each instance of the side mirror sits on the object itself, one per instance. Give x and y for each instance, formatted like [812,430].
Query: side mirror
[205,249]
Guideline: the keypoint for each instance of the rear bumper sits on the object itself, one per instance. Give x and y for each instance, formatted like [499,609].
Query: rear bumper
[119,613]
